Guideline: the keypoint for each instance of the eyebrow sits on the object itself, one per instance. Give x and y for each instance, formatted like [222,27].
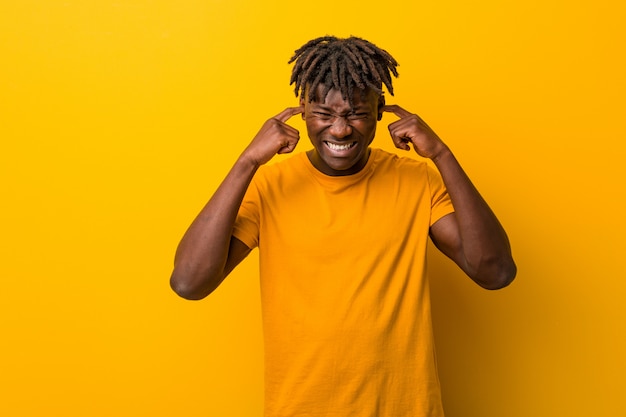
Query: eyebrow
[359,108]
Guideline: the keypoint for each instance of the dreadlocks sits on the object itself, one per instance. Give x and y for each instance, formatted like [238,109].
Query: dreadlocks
[341,64]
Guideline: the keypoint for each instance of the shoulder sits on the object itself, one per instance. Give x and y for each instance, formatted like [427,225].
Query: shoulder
[408,171]
[290,166]
[387,161]
[281,175]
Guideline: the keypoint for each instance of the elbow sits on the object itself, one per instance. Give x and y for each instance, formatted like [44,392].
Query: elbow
[186,292]
[188,288]
[498,276]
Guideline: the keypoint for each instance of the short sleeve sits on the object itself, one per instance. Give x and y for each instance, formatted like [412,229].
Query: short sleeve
[440,201]
[246,226]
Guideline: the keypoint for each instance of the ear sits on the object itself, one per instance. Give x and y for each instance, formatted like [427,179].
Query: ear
[381,104]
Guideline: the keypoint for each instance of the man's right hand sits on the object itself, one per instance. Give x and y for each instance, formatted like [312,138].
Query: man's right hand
[275,137]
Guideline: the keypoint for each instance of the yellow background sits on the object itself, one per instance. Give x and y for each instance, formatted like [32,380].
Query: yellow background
[119,118]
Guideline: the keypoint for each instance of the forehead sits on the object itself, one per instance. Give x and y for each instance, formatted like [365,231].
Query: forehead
[360,98]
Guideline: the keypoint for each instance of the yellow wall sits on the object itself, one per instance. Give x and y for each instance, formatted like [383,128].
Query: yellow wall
[119,118]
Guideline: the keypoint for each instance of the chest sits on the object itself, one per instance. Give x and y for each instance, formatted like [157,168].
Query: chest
[349,221]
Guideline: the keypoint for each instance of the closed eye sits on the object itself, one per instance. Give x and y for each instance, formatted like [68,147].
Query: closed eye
[357,116]
[322,115]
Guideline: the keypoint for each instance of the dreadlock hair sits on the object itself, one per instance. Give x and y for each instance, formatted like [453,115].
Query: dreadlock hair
[341,64]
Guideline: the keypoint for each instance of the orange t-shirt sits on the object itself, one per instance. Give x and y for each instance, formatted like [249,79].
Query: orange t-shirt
[345,299]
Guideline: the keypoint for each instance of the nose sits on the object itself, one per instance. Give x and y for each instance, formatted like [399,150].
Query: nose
[340,128]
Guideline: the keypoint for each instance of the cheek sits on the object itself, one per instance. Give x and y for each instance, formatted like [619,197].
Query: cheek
[367,128]
[309,126]
[312,127]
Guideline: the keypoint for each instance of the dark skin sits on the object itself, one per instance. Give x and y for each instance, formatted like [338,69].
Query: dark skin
[341,134]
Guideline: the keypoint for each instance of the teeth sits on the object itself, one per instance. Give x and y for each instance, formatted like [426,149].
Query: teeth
[336,147]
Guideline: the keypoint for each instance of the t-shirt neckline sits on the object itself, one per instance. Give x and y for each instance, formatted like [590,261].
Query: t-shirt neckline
[342,180]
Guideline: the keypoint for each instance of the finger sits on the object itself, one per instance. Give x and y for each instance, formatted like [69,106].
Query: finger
[397,110]
[400,142]
[288,113]
[401,133]
[286,149]
[289,147]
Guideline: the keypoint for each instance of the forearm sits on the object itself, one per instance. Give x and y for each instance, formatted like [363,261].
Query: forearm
[473,236]
[485,252]
[202,259]
[203,251]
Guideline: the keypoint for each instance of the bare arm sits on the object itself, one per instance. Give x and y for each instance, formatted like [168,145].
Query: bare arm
[472,236]
[208,252]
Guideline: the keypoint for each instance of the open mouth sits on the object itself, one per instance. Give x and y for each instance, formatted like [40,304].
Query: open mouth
[342,147]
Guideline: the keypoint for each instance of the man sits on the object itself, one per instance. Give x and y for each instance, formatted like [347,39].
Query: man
[342,232]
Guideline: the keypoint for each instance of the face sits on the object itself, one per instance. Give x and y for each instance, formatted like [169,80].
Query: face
[340,133]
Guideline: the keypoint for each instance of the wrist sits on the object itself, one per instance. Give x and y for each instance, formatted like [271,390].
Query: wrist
[249,159]
[247,162]
[442,154]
